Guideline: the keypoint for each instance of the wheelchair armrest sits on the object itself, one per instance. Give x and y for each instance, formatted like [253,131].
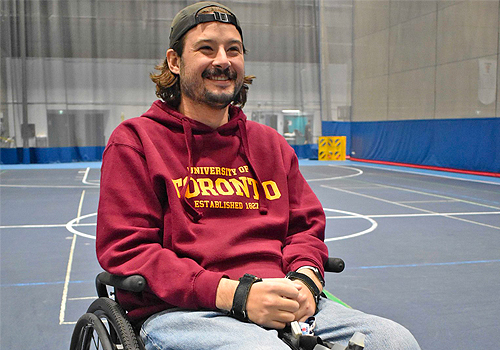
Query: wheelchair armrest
[137,283]
[334,265]
[133,283]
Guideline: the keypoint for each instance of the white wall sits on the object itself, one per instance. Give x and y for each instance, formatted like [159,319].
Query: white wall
[122,86]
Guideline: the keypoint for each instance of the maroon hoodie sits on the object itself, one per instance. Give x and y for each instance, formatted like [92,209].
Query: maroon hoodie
[184,205]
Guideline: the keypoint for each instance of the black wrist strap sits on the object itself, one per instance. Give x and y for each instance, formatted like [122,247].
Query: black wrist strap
[292,275]
[239,308]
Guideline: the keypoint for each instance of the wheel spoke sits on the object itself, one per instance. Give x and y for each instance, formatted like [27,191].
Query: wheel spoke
[96,343]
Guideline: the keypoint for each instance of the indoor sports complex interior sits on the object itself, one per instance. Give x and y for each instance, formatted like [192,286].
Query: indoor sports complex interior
[411,82]
[412,85]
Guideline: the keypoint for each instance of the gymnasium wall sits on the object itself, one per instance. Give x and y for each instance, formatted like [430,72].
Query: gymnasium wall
[425,60]
[425,77]
[80,68]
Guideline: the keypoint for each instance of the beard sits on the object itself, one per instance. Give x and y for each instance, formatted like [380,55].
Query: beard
[198,92]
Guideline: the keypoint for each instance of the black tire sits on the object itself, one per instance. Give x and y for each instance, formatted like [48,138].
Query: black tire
[90,333]
[119,328]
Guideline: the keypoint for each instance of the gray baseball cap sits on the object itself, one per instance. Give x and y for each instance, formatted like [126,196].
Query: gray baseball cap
[189,17]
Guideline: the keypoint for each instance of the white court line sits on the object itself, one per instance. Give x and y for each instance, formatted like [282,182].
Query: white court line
[359,172]
[430,201]
[44,186]
[435,175]
[70,226]
[84,181]
[85,176]
[439,196]
[73,225]
[62,311]
[382,216]
[357,216]
[82,298]
[414,208]
[46,226]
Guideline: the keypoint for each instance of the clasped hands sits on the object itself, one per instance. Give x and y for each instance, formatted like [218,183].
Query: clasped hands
[272,303]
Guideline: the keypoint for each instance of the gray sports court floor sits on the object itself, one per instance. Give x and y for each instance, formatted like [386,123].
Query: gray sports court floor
[421,247]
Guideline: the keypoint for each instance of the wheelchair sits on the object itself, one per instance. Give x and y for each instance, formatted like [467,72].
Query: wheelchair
[105,324]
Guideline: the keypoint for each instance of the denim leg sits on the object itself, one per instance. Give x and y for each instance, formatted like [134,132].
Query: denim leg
[190,330]
[337,323]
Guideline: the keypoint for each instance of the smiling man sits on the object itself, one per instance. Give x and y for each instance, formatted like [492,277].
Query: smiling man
[211,70]
[212,210]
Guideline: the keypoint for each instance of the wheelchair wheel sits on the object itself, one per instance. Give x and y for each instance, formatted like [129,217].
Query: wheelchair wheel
[116,331]
[120,330]
[90,333]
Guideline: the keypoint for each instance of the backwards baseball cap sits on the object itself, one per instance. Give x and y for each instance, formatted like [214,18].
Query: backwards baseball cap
[189,17]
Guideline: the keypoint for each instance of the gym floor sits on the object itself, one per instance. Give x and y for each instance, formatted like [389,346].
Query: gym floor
[421,247]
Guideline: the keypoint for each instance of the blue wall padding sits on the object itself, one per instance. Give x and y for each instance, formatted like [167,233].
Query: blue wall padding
[50,155]
[338,129]
[308,151]
[465,144]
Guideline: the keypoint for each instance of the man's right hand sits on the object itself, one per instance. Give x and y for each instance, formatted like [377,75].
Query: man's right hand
[273,303]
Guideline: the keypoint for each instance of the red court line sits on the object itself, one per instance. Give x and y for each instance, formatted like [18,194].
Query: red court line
[451,170]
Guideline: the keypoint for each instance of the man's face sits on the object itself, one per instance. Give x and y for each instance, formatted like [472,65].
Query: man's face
[212,64]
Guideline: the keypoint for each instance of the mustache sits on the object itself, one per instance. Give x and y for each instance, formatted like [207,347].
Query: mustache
[216,72]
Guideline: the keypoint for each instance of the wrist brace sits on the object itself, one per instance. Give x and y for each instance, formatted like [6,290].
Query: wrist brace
[239,308]
[292,275]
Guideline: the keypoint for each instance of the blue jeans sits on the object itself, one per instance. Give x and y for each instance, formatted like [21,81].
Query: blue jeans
[189,330]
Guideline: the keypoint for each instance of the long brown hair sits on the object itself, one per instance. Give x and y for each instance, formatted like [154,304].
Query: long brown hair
[168,84]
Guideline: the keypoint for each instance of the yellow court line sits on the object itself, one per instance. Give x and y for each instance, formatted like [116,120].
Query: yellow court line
[64,298]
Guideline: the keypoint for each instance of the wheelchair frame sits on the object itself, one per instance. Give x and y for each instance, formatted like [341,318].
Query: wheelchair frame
[106,326]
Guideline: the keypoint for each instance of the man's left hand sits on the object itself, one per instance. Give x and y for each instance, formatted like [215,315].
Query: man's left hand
[306,298]
[307,305]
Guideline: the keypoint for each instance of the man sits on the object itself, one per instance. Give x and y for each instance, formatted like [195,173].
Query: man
[212,210]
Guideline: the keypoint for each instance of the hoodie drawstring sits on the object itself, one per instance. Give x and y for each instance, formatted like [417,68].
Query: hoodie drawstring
[263,202]
[188,137]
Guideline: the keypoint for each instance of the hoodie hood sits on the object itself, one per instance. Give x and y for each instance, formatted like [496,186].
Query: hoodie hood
[162,113]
